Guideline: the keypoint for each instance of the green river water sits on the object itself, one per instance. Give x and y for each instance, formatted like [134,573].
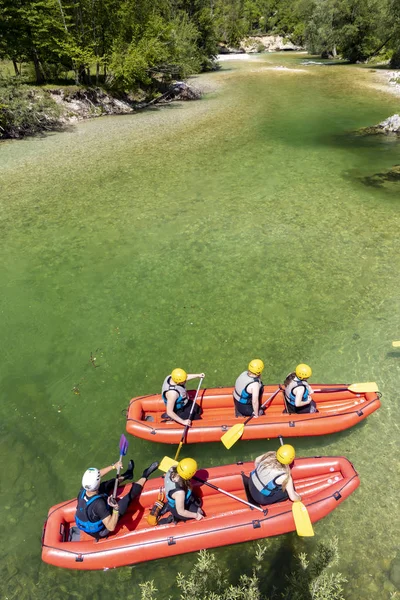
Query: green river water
[199,235]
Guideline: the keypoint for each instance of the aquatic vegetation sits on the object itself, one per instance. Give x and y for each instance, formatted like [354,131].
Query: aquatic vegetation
[379,180]
[310,578]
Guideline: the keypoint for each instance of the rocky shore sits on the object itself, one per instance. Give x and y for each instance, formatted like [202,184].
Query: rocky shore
[261,43]
[47,109]
[86,103]
[391,80]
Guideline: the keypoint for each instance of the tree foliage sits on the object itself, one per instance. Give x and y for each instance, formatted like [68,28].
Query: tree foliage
[134,42]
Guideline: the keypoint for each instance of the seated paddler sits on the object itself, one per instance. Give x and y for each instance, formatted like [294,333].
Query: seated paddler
[176,399]
[298,392]
[270,481]
[182,502]
[249,390]
[97,513]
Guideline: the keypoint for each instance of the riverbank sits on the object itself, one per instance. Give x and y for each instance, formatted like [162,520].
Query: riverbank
[29,110]
[388,80]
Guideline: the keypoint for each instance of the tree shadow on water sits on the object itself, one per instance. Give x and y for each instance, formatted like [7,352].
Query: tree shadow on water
[285,562]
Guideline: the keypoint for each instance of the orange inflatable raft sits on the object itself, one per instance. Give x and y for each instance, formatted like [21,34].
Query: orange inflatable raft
[323,482]
[338,410]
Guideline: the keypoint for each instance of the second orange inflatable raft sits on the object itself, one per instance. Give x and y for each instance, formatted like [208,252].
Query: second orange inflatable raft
[322,482]
[338,410]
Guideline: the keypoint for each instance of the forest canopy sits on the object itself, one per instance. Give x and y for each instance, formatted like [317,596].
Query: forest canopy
[129,42]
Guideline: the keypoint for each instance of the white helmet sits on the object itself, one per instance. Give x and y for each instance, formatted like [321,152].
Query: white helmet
[91,479]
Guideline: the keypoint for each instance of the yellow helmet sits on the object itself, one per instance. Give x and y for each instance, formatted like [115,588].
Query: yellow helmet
[303,371]
[256,366]
[179,375]
[286,454]
[186,468]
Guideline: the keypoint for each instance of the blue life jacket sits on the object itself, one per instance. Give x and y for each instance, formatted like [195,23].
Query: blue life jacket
[172,486]
[182,399]
[290,388]
[82,518]
[267,489]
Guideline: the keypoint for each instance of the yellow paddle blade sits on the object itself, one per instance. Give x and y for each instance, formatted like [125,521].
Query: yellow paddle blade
[396,344]
[363,388]
[167,463]
[302,520]
[232,435]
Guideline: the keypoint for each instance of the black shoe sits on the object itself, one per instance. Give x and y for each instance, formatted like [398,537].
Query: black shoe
[129,472]
[166,520]
[147,472]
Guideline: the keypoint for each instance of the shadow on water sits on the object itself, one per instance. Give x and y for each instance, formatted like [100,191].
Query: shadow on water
[282,564]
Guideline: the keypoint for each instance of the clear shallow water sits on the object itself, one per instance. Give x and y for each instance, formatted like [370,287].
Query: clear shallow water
[199,235]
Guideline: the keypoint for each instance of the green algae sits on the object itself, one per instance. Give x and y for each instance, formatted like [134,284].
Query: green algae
[199,235]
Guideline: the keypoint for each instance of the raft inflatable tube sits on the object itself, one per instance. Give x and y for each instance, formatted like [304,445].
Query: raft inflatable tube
[323,482]
[338,410]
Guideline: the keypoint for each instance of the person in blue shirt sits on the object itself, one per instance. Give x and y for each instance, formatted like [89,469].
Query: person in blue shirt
[97,513]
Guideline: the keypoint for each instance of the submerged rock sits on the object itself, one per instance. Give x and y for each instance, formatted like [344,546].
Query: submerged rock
[394,573]
[389,125]
[380,179]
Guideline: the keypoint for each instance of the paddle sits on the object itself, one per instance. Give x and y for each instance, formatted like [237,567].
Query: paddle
[167,463]
[357,388]
[123,449]
[302,520]
[300,514]
[190,414]
[396,344]
[235,433]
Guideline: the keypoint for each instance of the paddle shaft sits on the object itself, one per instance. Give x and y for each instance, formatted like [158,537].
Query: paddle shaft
[190,414]
[214,487]
[338,389]
[116,478]
[263,405]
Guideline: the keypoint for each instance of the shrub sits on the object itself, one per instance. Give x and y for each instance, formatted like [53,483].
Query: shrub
[25,110]
[309,579]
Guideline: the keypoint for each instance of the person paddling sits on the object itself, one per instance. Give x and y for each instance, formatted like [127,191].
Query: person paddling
[298,393]
[97,513]
[182,503]
[176,399]
[249,390]
[271,481]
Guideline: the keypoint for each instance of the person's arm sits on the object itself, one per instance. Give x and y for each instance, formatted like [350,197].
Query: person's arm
[172,396]
[293,495]
[110,522]
[110,468]
[299,393]
[254,388]
[179,498]
[195,376]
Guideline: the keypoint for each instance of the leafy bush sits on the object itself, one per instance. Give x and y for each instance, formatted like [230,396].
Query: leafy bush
[309,579]
[25,110]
